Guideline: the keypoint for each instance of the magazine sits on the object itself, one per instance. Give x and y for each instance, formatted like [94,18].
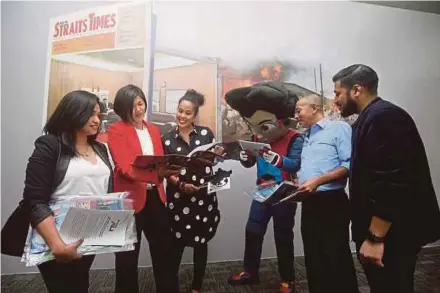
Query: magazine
[274,193]
[200,157]
[253,147]
[36,251]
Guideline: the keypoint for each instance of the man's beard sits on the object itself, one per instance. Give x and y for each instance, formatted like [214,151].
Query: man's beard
[350,107]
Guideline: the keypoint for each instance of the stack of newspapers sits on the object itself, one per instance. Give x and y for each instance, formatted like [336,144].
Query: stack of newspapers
[105,222]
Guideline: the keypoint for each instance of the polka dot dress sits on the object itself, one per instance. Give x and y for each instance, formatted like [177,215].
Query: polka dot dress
[194,217]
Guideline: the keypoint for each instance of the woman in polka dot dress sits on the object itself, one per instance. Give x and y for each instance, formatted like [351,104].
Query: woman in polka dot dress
[194,213]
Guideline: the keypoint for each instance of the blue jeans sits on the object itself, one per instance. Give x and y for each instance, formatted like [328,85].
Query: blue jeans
[283,222]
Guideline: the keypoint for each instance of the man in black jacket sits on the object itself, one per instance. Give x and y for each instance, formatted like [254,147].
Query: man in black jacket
[395,210]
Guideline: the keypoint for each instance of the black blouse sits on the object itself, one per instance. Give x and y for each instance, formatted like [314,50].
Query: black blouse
[175,144]
[194,217]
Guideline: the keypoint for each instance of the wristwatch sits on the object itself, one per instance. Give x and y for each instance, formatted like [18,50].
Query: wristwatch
[374,238]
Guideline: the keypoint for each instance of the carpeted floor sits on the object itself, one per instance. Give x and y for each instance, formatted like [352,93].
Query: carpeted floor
[427,278]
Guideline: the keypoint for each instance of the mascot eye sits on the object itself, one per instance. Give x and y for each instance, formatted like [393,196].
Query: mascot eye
[268,127]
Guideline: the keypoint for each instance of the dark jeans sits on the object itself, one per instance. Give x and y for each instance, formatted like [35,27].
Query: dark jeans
[325,230]
[283,221]
[200,258]
[67,277]
[397,275]
[153,222]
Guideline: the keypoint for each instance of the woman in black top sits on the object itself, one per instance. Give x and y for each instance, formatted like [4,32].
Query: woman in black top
[66,160]
[194,213]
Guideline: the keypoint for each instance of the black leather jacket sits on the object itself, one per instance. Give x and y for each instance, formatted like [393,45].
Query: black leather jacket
[45,170]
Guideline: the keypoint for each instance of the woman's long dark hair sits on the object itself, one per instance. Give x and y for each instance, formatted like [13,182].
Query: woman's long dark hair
[71,114]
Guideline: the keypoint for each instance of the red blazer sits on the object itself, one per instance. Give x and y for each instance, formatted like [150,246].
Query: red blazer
[124,146]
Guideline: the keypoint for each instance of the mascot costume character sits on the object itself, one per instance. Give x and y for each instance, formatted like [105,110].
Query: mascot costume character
[267,108]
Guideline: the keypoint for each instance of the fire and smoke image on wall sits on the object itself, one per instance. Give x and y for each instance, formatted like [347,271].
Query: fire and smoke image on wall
[214,54]
[233,126]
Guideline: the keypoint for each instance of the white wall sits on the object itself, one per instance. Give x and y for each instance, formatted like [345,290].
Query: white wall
[402,46]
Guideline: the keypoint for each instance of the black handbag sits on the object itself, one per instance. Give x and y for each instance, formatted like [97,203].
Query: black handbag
[16,228]
[15,231]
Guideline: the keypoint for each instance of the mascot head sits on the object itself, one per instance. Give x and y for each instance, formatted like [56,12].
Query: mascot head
[266,107]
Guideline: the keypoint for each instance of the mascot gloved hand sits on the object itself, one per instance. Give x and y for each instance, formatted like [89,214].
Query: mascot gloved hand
[268,155]
[271,157]
[267,108]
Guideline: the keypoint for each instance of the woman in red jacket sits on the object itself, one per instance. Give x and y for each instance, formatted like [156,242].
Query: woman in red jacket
[127,139]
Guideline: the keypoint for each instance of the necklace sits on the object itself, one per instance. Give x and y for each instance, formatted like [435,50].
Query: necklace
[86,154]
[139,127]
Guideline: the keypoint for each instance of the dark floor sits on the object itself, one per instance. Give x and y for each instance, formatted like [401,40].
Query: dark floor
[427,278]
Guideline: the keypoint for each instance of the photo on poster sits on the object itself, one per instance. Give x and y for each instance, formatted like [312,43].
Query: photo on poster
[98,50]
[176,71]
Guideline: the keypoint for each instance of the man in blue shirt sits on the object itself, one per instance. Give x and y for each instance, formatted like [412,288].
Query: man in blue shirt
[325,163]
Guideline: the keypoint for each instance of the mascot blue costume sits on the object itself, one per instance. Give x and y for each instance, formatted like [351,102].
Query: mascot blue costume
[267,108]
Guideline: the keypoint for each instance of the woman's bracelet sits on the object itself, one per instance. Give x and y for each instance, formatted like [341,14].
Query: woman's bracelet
[181,185]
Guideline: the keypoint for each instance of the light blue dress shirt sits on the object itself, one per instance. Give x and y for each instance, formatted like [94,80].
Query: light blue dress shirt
[327,146]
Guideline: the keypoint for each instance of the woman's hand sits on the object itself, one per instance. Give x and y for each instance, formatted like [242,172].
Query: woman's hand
[62,252]
[167,171]
[67,252]
[219,150]
[189,188]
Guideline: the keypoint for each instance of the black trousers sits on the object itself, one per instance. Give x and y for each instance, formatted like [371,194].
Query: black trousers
[153,222]
[200,258]
[397,275]
[70,277]
[325,230]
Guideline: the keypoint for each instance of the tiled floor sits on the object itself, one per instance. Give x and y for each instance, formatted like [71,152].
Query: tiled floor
[427,278]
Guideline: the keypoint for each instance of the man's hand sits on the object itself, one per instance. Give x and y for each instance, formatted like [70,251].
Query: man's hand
[372,252]
[67,252]
[309,186]
[271,157]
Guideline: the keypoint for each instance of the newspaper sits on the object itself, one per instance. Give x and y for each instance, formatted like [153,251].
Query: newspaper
[95,226]
[93,218]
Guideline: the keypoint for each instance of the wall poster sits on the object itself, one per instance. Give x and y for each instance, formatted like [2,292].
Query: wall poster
[106,48]
[99,50]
